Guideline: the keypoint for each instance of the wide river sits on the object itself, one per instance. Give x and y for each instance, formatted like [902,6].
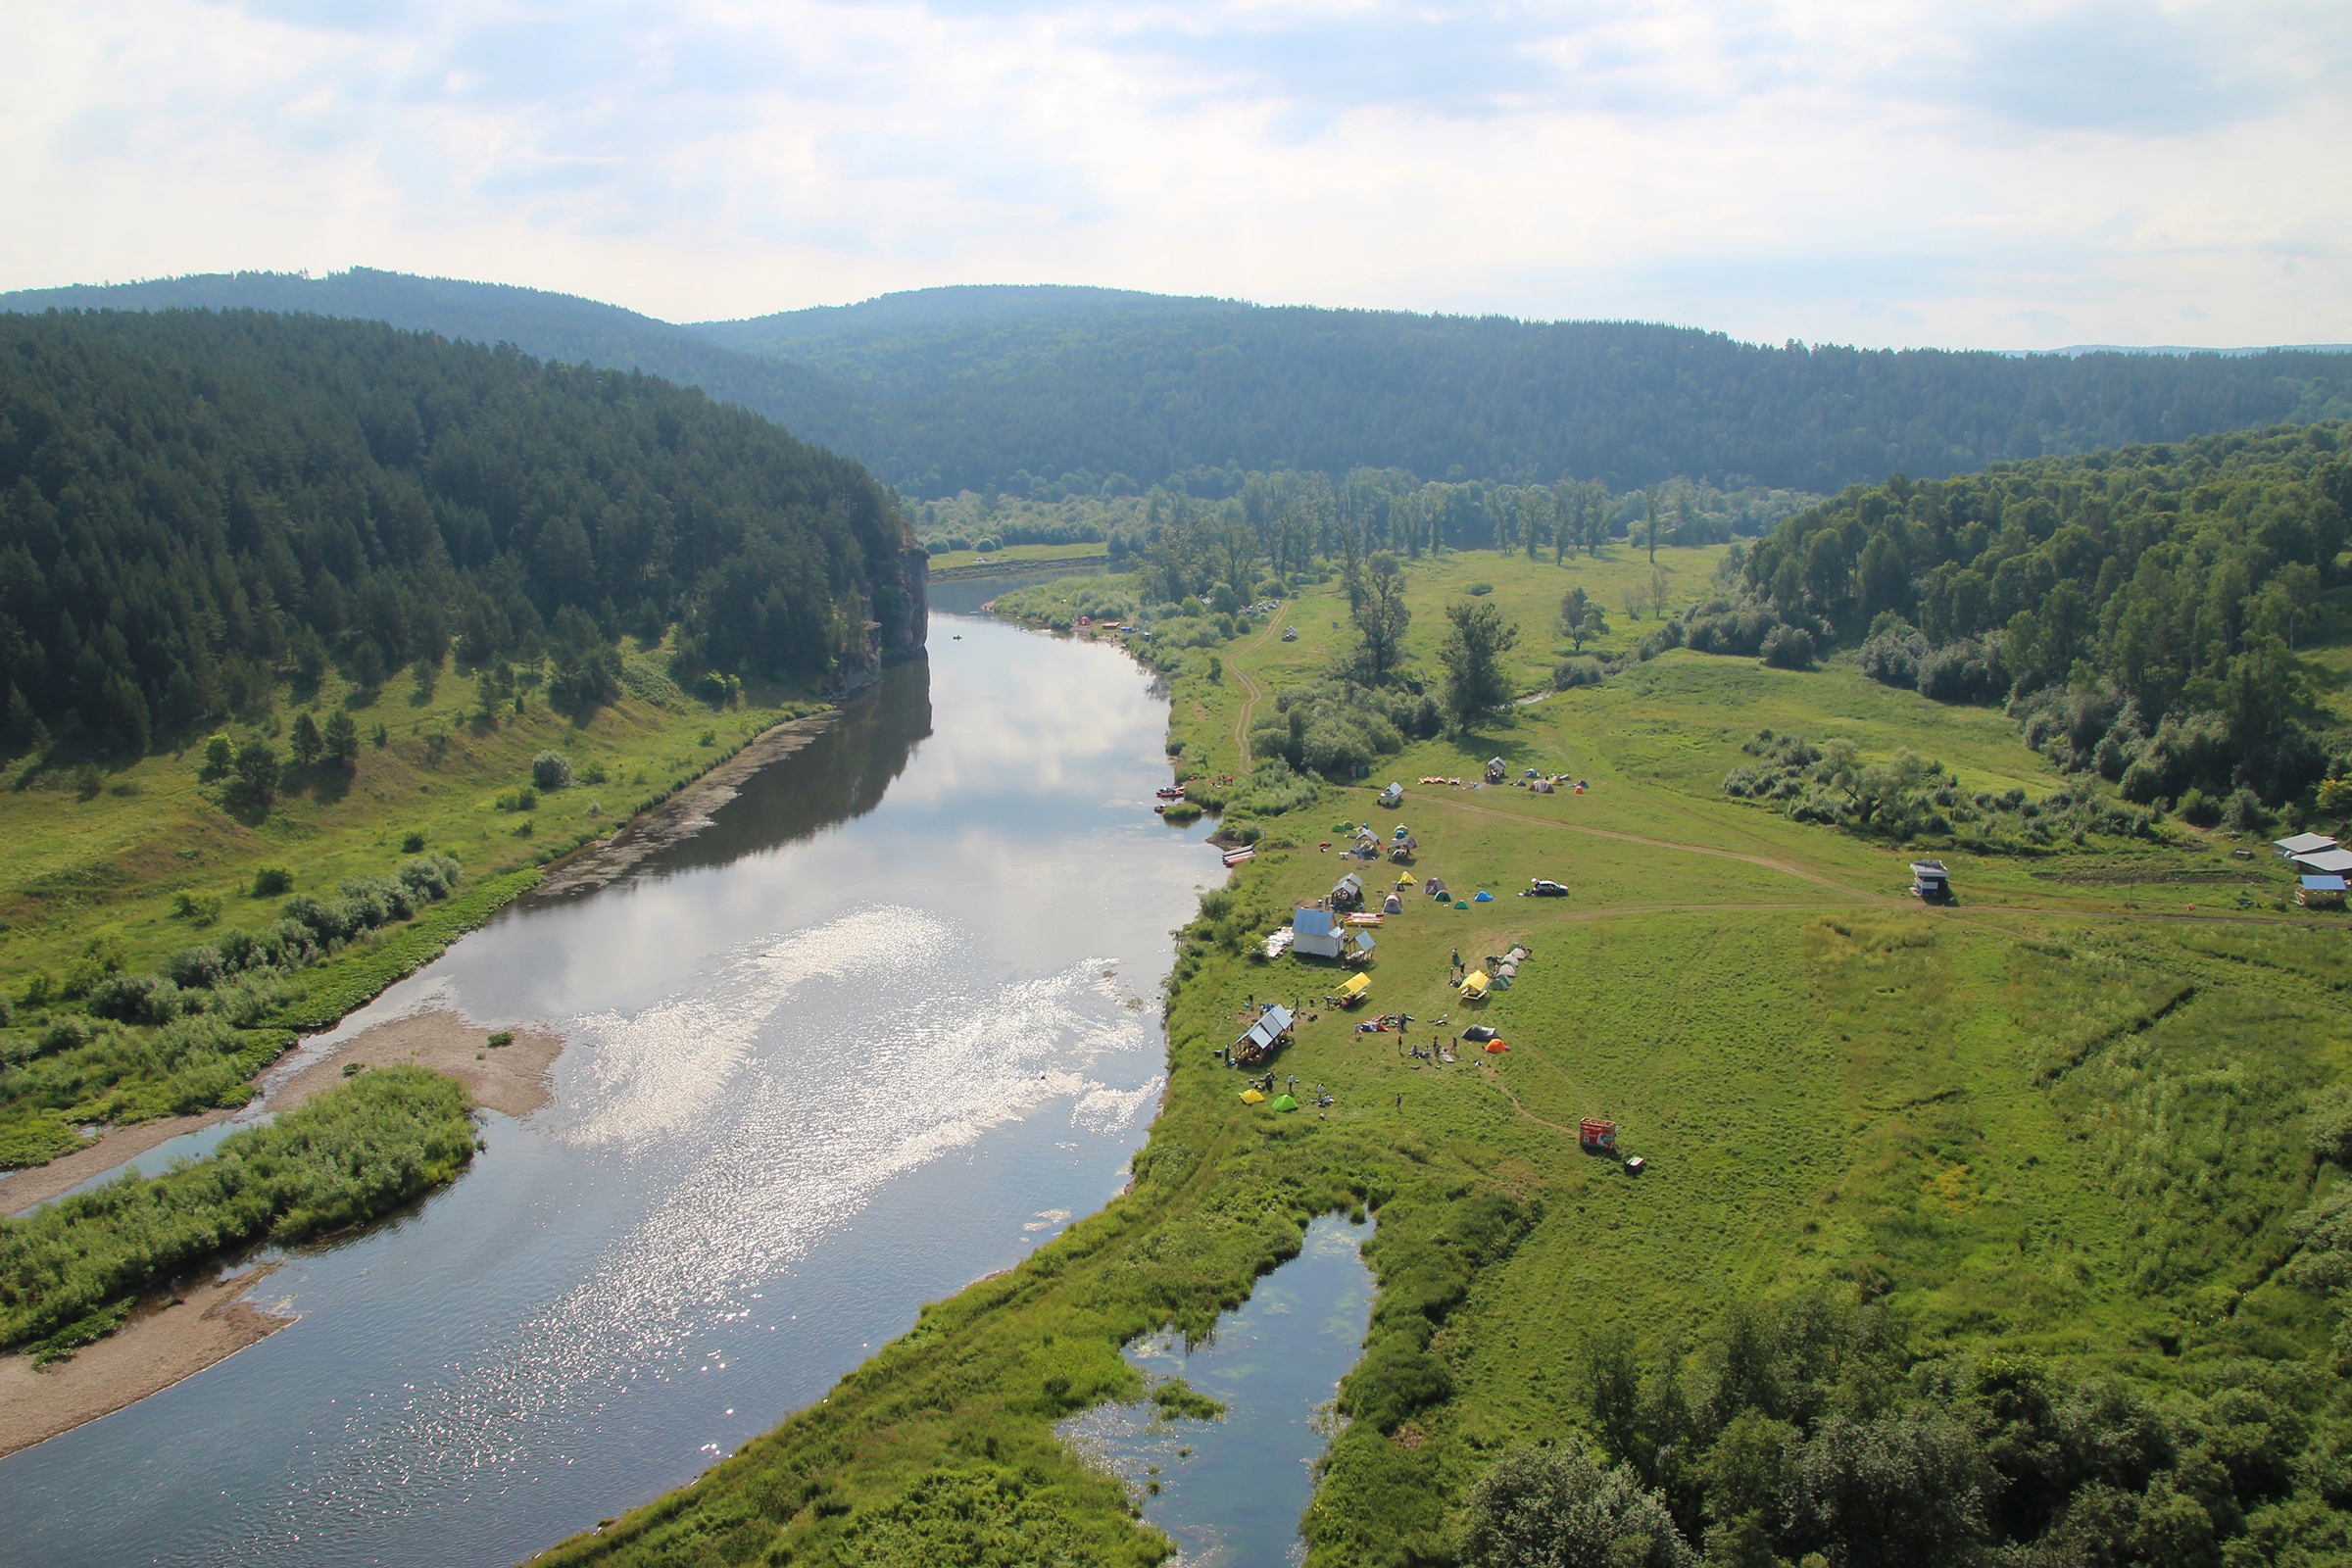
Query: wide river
[887,1026]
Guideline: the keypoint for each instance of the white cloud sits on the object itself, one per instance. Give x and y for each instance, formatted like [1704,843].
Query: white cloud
[1883,172]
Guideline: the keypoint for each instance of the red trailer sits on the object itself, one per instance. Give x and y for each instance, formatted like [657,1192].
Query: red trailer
[1596,1137]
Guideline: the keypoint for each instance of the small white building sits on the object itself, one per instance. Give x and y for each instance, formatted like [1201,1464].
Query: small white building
[2303,843]
[1315,933]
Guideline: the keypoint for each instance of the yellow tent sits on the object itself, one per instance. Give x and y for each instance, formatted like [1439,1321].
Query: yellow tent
[1474,987]
[1406,881]
[1250,1097]
[1357,986]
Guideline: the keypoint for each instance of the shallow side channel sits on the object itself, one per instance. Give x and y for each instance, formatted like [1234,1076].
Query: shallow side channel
[1231,1491]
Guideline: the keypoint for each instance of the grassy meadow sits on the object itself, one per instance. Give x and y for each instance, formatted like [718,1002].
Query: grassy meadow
[2066,1120]
[117,869]
[1083,549]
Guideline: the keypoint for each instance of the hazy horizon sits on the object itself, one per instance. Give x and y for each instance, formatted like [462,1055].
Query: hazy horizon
[2018,177]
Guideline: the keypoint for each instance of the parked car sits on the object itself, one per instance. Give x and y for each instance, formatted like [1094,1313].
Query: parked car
[1545,888]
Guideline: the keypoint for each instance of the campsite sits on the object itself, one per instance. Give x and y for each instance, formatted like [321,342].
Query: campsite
[1822,1078]
[2065,1119]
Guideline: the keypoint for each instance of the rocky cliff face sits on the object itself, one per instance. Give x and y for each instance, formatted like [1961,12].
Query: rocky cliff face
[908,639]
[898,622]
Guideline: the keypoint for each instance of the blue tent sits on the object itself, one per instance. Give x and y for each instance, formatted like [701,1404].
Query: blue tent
[1484,897]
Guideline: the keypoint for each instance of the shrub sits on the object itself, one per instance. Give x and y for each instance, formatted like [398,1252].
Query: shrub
[1479,590]
[1570,673]
[1963,671]
[135,998]
[2244,811]
[1892,655]
[270,881]
[430,875]
[196,968]
[551,772]
[411,842]
[1556,1507]
[2198,808]
[1787,648]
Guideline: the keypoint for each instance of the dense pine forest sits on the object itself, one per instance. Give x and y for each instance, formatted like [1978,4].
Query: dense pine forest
[196,506]
[1044,393]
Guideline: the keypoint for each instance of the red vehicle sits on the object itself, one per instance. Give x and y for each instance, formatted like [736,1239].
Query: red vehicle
[1596,1137]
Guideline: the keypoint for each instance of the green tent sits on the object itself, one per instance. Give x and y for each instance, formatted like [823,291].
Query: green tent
[1285,1103]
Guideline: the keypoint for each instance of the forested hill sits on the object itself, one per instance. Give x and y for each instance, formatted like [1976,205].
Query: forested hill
[194,506]
[1048,391]
[978,387]
[552,327]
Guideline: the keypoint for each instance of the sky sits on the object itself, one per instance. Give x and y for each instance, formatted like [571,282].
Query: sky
[1897,173]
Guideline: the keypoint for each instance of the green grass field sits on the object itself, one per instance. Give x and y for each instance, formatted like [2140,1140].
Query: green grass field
[2067,1119]
[114,863]
[120,867]
[949,559]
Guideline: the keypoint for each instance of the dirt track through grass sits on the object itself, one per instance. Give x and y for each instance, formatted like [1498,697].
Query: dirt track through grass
[1251,690]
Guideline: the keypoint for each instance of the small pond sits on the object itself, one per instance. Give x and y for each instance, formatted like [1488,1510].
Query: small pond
[1232,1490]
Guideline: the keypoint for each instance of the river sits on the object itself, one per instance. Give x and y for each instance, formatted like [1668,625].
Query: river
[887,1026]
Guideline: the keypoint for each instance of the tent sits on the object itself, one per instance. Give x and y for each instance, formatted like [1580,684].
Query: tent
[1404,879]
[1353,991]
[1497,1046]
[1250,1097]
[1285,1103]
[1392,905]
[1484,897]
[1475,986]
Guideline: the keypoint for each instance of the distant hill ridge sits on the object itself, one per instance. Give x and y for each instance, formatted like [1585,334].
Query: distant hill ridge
[1045,389]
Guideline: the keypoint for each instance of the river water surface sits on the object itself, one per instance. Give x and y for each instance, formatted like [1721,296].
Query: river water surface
[890,1023]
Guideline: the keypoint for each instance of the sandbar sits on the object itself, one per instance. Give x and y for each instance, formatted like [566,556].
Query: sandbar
[512,1079]
[167,1338]
[684,815]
